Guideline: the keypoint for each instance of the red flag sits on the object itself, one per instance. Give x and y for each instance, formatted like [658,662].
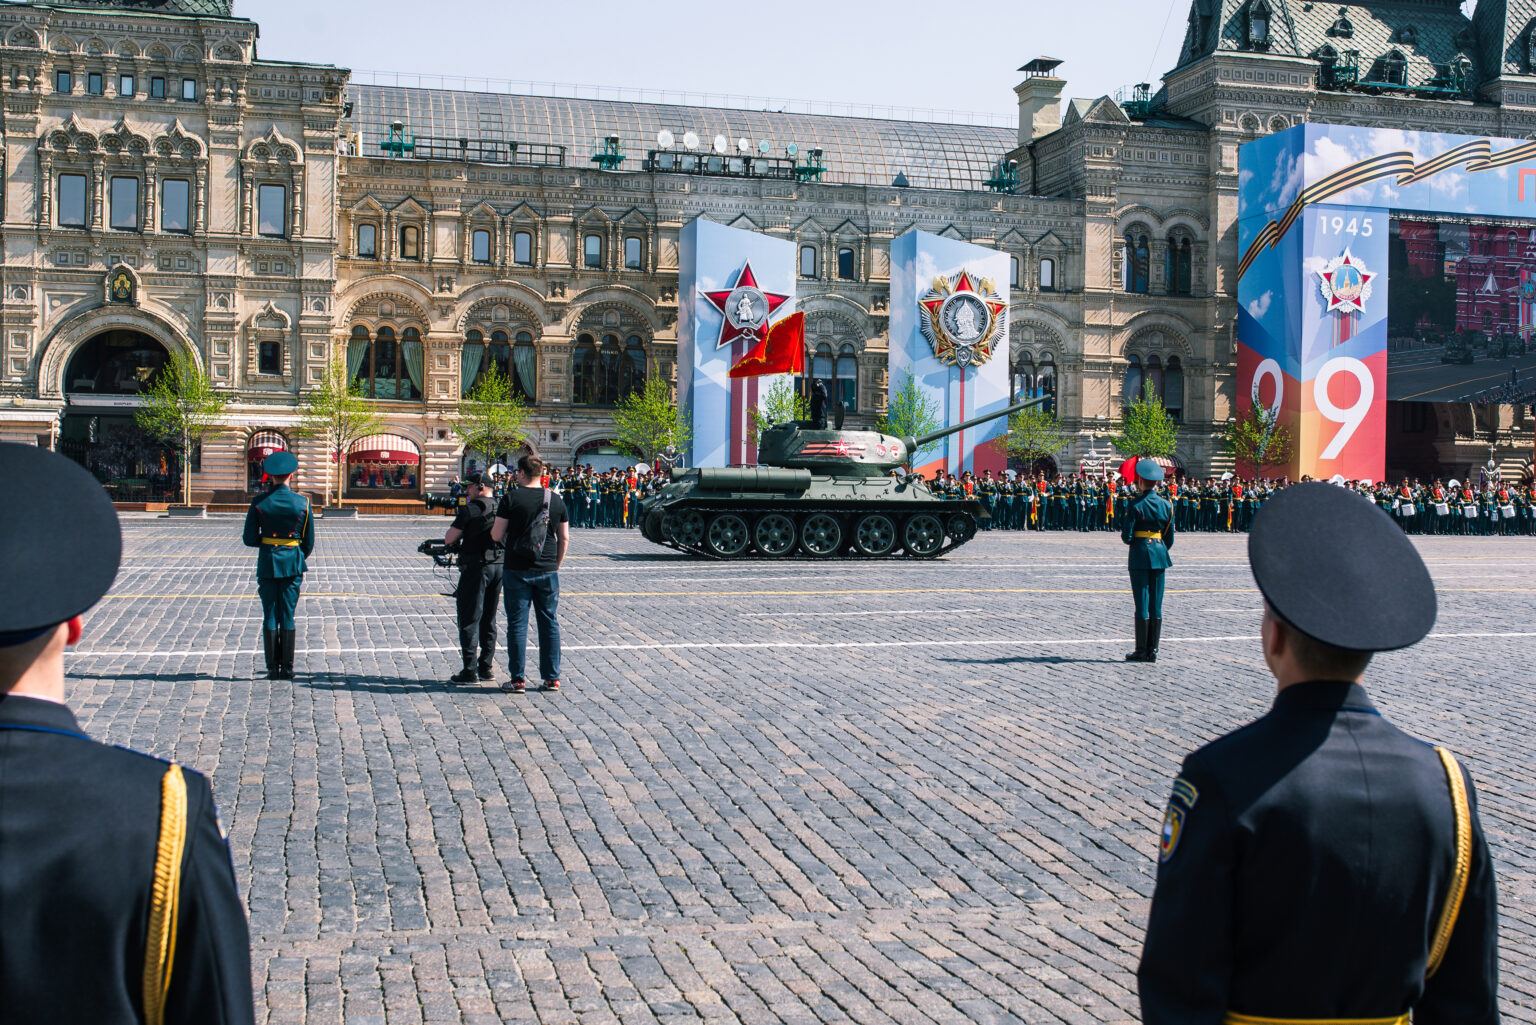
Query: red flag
[781,352]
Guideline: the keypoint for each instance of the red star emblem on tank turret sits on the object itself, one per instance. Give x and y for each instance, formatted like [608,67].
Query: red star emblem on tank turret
[746,308]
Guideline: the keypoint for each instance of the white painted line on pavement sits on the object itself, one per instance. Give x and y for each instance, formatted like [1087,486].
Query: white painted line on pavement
[745,645]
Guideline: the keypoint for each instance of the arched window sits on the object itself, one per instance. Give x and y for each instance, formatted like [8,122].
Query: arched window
[367,241]
[410,242]
[388,368]
[845,264]
[1131,392]
[584,371]
[1023,386]
[847,390]
[807,261]
[1013,272]
[1045,381]
[525,361]
[1173,388]
[821,365]
[472,361]
[522,248]
[1183,280]
[594,250]
[1138,259]
[1154,374]
[498,354]
[610,366]
[634,358]
[632,253]
[480,246]
[1047,275]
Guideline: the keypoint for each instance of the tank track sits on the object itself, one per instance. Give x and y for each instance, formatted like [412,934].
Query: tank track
[811,532]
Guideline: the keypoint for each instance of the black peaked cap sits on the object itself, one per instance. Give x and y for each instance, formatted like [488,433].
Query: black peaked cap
[1335,567]
[60,543]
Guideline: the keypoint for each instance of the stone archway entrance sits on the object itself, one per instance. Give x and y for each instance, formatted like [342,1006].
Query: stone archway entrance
[103,382]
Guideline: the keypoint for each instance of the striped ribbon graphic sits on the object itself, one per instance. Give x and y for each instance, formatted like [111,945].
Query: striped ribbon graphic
[1477,155]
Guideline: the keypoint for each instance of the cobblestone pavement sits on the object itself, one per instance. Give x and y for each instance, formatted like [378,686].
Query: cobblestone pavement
[782,792]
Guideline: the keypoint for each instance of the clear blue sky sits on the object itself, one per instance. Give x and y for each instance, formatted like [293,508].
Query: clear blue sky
[958,56]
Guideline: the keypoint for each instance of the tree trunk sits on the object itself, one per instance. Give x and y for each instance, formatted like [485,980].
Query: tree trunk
[186,470]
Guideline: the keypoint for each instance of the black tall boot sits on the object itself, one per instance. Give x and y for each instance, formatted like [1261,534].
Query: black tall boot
[1140,654]
[269,649]
[1154,635]
[285,654]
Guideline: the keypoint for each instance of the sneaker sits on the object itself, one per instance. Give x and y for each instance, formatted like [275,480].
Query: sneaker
[484,673]
[463,676]
[517,686]
[551,684]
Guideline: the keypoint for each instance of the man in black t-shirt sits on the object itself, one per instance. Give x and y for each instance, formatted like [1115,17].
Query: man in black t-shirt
[533,564]
[479,578]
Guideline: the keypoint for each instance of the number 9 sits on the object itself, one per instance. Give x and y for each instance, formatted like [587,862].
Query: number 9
[1355,415]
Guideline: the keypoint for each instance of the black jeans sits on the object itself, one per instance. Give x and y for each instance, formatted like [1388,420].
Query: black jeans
[478,596]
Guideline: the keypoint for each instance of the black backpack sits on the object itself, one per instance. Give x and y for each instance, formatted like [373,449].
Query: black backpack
[531,543]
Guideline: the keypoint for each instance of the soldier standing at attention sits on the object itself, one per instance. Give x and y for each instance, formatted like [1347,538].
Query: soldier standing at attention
[1149,531]
[119,898]
[1319,864]
[282,525]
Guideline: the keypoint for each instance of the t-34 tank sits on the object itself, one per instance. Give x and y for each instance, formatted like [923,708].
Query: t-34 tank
[817,494]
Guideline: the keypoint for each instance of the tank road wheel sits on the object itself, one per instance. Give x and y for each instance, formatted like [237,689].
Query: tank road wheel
[651,527]
[923,536]
[684,526]
[962,527]
[727,535]
[774,534]
[874,535]
[821,535]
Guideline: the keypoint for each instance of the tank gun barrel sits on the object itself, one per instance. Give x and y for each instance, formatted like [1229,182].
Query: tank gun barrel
[913,444]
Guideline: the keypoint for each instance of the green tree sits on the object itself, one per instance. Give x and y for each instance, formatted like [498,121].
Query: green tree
[1257,439]
[909,414]
[646,421]
[181,408]
[780,404]
[1035,434]
[1146,429]
[492,417]
[335,412]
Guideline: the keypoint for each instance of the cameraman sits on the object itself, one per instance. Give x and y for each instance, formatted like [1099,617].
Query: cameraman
[480,569]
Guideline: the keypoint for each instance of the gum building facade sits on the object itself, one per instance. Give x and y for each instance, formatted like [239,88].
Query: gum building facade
[167,190]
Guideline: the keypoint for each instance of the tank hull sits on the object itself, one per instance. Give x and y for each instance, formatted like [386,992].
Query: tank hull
[810,516]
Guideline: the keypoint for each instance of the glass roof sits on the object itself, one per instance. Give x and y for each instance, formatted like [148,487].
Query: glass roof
[856,151]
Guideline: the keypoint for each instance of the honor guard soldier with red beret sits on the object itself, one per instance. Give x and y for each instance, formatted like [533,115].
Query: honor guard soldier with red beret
[282,525]
[117,896]
[1319,864]
[1148,529]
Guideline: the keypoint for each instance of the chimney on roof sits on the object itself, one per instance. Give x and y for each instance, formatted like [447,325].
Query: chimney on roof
[1039,99]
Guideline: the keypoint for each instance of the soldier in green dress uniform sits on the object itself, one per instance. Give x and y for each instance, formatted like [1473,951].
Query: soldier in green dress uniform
[1149,531]
[281,525]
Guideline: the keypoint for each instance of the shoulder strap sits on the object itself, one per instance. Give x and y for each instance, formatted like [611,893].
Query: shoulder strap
[160,944]
[1463,866]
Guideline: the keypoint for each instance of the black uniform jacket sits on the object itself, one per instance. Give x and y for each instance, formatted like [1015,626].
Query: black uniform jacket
[79,823]
[1305,861]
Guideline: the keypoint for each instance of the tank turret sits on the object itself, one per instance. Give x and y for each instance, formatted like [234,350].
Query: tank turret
[818,494]
[798,445]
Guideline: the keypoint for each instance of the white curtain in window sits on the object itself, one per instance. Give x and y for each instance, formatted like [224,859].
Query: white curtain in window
[524,359]
[357,350]
[415,362]
[474,355]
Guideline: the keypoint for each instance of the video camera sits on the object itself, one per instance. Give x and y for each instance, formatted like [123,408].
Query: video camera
[440,501]
[445,555]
